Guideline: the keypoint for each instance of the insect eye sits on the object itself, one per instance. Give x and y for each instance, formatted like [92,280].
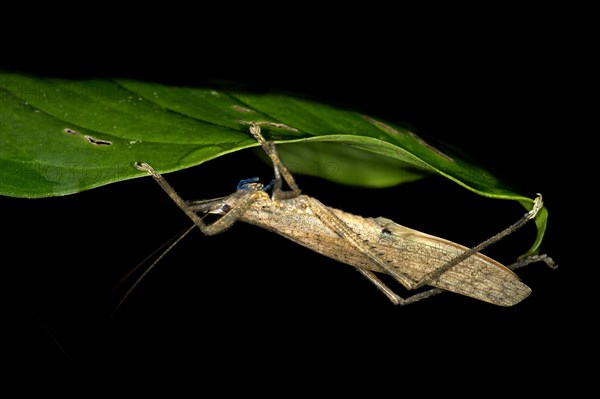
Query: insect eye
[225,208]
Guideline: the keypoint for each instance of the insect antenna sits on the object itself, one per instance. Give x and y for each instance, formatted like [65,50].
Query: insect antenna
[170,244]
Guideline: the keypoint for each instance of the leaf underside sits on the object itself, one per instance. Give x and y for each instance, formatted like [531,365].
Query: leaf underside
[59,137]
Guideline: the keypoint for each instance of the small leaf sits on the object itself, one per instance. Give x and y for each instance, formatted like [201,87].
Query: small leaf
[346,164]
[59,137]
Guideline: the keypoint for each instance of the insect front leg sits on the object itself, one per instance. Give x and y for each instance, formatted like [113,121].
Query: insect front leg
[206,206]
[222,224]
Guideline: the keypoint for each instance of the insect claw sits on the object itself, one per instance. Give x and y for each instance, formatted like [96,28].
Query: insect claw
[538,204]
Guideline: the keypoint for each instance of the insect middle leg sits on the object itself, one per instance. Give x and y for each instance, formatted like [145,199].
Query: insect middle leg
[321,211]
[281,171]
[326,216]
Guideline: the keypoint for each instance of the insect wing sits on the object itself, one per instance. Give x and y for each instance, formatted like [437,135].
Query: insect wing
[417,254]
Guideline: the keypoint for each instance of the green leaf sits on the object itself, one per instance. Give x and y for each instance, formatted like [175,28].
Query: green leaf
[59,137]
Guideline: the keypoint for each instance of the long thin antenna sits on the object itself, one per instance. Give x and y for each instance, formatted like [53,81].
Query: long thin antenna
[141,277]
[47,331]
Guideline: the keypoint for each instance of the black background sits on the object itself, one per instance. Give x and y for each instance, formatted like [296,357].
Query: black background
[249,301]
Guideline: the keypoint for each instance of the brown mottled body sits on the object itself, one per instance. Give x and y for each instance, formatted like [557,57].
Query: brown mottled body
[411,253]
[370,244]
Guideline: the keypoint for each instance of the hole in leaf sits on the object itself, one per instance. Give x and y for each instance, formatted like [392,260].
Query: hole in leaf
[95,141]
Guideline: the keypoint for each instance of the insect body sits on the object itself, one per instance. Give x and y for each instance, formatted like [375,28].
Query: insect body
[372,245]
[383,245]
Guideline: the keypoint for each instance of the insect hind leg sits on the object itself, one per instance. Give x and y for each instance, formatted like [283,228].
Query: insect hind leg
[392,296]
[533,259]
[398,300]
[537,205]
